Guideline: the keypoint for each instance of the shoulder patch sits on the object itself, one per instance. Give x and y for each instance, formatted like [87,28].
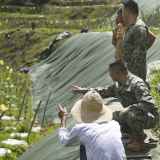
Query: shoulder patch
[128,82]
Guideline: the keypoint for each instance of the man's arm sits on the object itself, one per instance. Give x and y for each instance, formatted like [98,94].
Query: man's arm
[138,60]
[114,40]
[152,38]
[105,92]
[62,115]
[67,138]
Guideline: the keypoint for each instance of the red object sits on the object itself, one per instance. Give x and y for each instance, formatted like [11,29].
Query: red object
[33,25]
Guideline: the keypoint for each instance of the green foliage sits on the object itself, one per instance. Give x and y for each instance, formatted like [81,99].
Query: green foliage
[38,40]
[154,81]
[58,2]
[156,31]
[17,80]
[22,128]
[77,17]
[151,19]
[19,149]
[16,136]
[11,2]
[9,113]
[8,156]
[16,151]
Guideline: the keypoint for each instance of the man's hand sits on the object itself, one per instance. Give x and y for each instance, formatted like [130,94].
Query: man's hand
[124,111]
[62,112]
[77,89]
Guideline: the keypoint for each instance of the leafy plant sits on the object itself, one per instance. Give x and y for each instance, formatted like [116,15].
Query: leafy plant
[9,156]
[22,128]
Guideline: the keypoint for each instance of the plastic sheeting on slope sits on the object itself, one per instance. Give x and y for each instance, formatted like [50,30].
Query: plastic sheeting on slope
[82,60]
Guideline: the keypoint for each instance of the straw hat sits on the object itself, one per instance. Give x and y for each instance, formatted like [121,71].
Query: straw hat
[91,109]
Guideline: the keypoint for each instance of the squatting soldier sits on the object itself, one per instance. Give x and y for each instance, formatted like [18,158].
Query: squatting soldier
[135,41]
[140,109]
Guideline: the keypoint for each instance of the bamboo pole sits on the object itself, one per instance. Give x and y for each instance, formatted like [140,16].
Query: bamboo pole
[45,108]
[33,122]
[20,95]
[21,108]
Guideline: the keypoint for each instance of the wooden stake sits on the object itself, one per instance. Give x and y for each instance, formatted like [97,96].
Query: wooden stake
[21,108]
[45,108]
[33,122]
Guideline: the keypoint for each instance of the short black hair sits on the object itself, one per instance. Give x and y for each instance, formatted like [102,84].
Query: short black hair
[119,64]
[132,6]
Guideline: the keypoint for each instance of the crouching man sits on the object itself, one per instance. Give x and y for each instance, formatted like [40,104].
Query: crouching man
[99,134]
[140,109]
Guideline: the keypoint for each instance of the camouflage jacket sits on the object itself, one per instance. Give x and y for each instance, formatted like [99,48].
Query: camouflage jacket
[132,93]
[134,47]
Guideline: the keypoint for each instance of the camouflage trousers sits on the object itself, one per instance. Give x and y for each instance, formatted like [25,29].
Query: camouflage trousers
[137,121]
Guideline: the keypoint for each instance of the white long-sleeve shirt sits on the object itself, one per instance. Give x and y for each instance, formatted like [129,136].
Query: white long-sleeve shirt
[101,140]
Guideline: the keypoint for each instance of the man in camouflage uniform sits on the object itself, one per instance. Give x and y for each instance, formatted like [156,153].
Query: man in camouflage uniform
[135,41]
[140,109]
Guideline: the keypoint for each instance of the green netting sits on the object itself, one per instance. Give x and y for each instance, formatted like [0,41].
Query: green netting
[82,60]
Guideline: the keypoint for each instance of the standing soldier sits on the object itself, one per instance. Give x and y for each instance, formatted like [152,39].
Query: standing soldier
[135,41]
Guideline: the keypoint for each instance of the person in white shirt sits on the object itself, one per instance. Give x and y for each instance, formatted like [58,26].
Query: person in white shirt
[99,134]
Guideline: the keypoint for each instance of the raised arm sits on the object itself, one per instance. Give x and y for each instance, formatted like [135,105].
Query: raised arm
[105,92]
[114,40]
[67,138]
[62,115]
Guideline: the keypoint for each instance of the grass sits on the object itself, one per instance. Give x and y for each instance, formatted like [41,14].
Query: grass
[72,17]
[23,126]
[23,53]
[155,30]
[32,3]
[71,13]
[154,81]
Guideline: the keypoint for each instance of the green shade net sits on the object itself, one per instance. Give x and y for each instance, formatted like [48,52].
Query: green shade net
[81,60]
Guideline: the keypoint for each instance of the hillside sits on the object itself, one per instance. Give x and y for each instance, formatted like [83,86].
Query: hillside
[57,2]
[48,19]
[16,51]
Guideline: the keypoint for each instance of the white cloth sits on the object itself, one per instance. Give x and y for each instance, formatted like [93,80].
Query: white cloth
[101,140]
